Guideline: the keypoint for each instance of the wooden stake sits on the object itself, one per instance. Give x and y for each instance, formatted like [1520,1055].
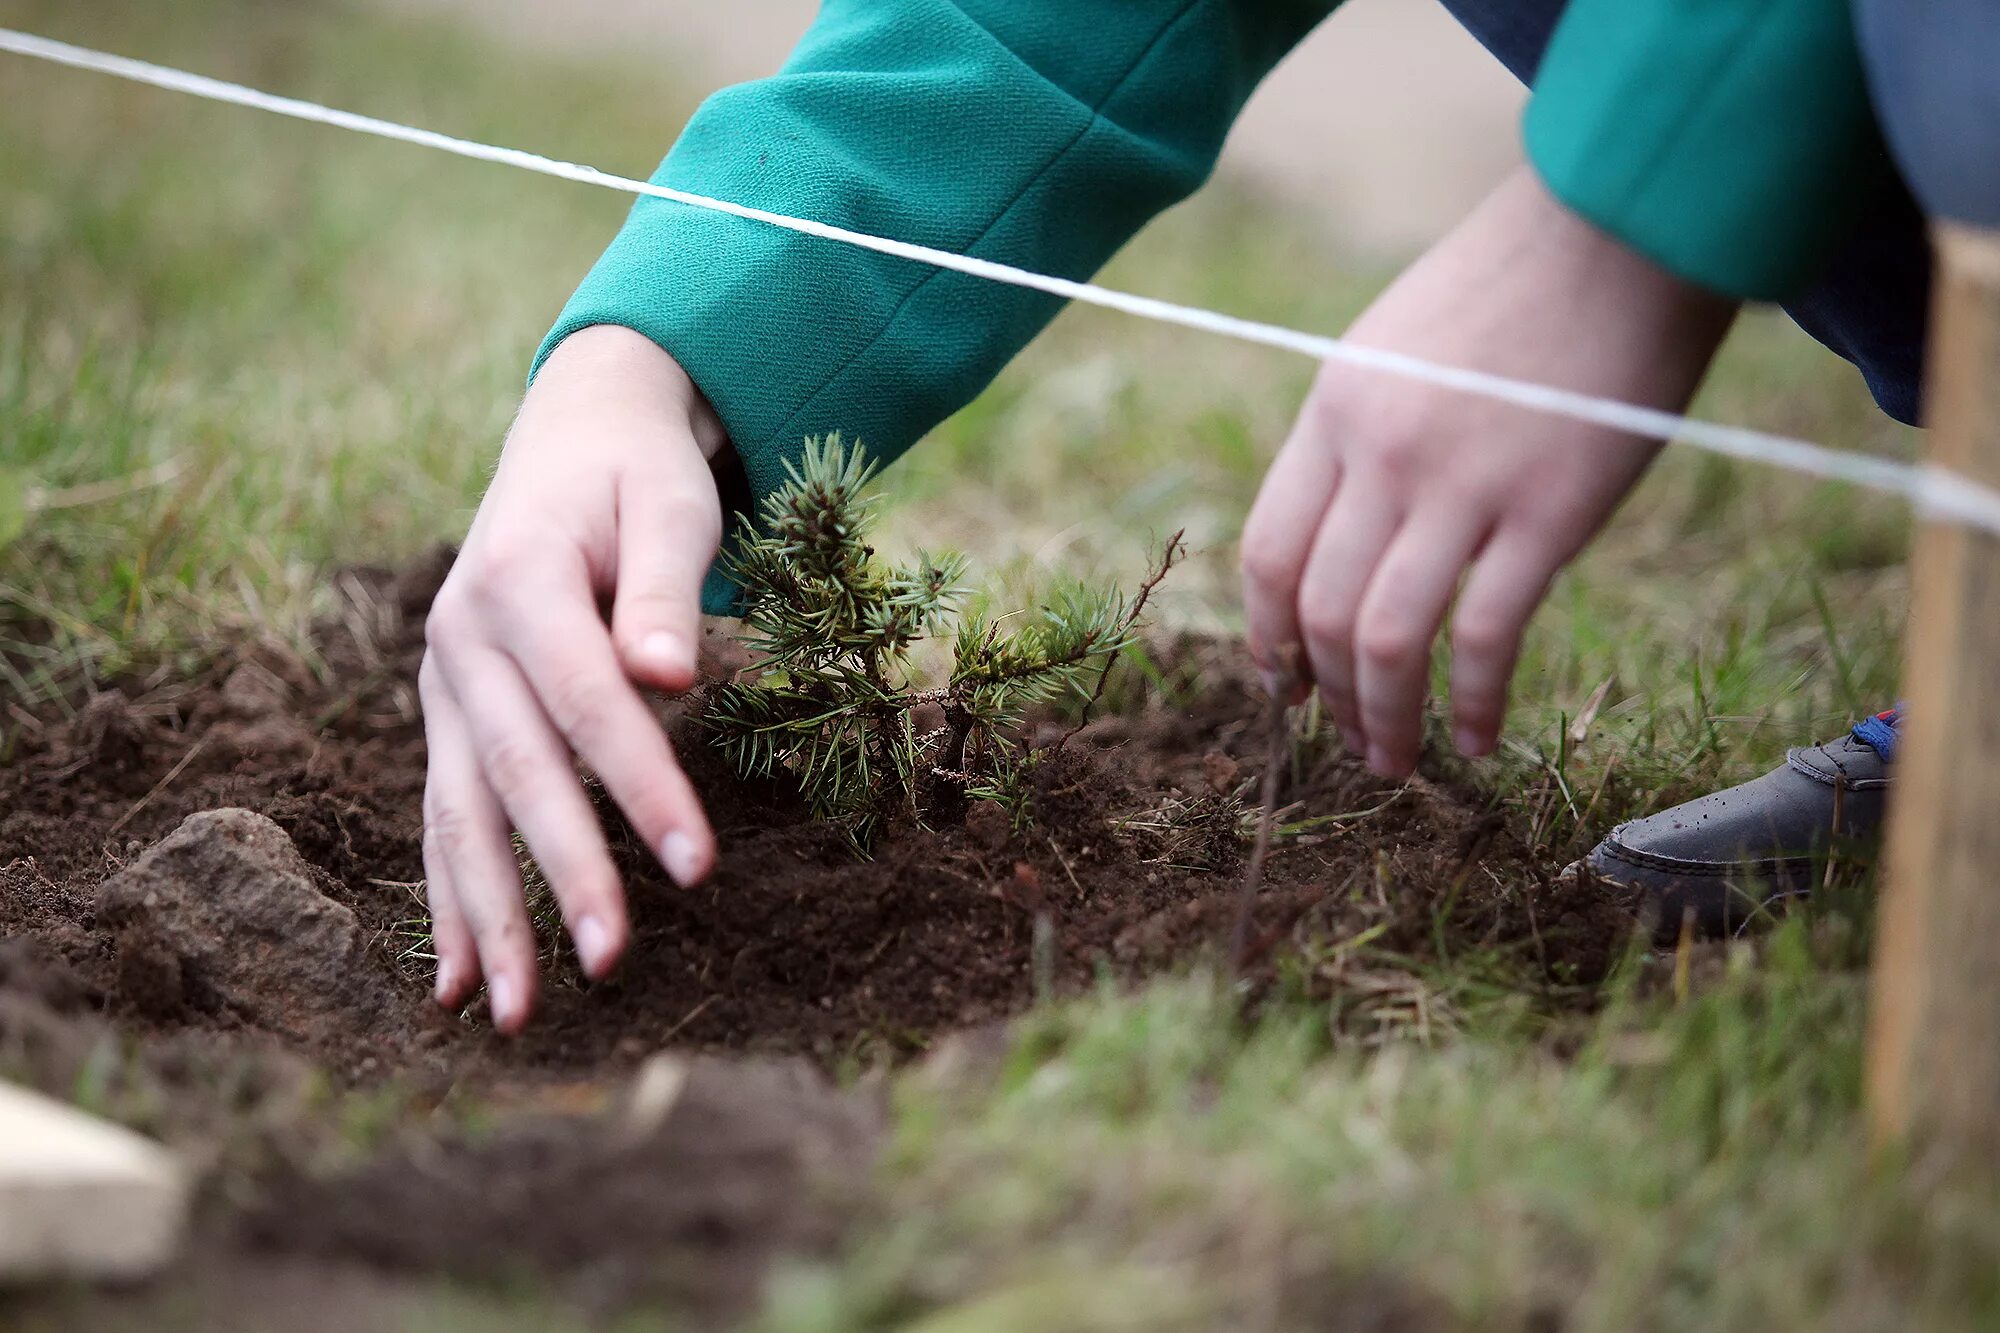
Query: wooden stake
[1934,1040]
[81,1198]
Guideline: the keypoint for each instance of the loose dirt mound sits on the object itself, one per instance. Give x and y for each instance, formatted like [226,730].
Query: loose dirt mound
[703,1174]
[227,868]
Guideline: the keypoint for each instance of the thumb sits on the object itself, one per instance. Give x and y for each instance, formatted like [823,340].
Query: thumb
[666,541]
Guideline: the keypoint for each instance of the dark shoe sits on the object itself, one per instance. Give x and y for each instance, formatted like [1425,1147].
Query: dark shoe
[1715,861]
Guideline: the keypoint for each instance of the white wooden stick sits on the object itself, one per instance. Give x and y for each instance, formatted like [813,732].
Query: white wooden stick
[81,1198]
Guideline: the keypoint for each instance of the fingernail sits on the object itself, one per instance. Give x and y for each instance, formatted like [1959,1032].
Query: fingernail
[663,652]
[1352,739]
[1470,743]
[1378,759]
[447,981]
[500,999]
[1272,685]
[678,855]
[593,945]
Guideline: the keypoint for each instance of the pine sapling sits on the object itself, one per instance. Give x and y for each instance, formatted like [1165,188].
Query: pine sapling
[832,703]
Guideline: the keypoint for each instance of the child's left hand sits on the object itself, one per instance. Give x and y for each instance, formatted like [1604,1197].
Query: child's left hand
[1388,493]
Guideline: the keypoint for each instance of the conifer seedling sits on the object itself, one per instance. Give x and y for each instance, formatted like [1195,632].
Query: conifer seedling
[832,703]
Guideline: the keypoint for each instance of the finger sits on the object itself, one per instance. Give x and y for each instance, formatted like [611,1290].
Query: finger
[1400,615]
[1356,529]
[569,663]
[527,767]
[666,541]
[1507,583]
[466,843]
[451,938]
[1278,537]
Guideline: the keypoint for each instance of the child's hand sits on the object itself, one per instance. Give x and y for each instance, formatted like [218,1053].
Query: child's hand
[603,493]
[1388,494]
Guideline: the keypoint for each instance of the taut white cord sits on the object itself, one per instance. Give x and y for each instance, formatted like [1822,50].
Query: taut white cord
[1936,492]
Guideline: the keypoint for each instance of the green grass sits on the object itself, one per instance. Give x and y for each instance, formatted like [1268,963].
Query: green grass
[322,336]
[299,349]
[1144,1163]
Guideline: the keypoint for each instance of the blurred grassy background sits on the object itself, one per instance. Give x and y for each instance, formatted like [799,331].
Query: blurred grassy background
[321,339]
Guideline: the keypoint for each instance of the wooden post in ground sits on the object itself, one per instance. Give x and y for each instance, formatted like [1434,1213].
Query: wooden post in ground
[1934,1040]
[82,1199]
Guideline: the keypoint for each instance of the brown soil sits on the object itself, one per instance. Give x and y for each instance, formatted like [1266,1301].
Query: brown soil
[207,894]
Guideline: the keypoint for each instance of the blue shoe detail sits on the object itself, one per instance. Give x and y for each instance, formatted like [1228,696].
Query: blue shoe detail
[1878,733]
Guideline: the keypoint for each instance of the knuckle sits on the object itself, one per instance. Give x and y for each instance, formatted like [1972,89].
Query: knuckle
[428,682]
[575,701]
[651,599]
[449,932]
[1326,627]
[685,516]
[447,833]
[1399,461]
[503,935]
[1482,637]
[1390,439]
[1485,633]
[509,557]
[445,624]
[1266,565]
[448,926]
[512,769]
[1385,644]
[502,566]
[1330,409]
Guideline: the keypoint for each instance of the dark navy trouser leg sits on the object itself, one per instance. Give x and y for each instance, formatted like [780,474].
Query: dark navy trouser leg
[1873,302]
[1934,70]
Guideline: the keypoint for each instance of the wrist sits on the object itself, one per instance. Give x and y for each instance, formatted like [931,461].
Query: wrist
[1529,287]
[1608,264]
[617,366]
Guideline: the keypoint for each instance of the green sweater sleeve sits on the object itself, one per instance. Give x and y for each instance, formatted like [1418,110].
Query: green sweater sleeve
[1729,140]
[1041,133]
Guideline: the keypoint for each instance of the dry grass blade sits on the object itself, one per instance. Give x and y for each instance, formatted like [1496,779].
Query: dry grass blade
[40,499]
[193,752]
[1275,737]
[1579,730]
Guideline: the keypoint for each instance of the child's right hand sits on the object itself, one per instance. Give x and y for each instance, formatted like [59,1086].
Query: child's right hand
[1392,500]
[604,493]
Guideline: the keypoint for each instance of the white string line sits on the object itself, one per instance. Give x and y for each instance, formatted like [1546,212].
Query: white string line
[1936,492]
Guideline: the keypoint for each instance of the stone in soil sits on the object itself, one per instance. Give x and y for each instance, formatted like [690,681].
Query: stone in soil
[224,917]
